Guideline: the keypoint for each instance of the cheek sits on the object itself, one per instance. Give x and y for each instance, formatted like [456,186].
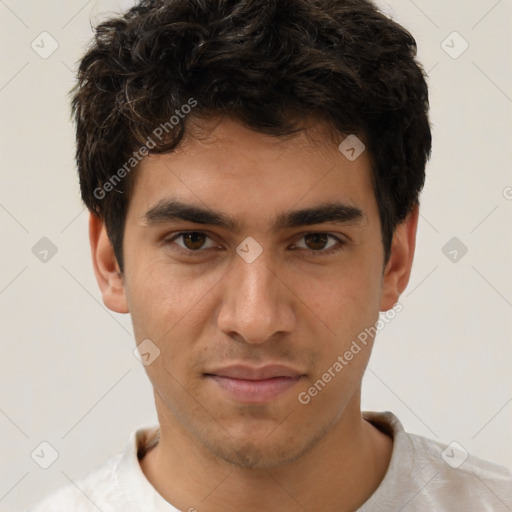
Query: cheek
[167,303]
[167,309]
[345,302]
[342,312]
[160,296]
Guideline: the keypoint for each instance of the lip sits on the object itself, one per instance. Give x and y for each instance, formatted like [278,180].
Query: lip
[254,385]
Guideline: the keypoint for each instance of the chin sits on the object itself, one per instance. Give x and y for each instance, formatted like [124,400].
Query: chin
[264,451]
[250,455]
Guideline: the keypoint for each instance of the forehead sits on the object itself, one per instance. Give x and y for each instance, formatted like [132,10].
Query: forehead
[227,167]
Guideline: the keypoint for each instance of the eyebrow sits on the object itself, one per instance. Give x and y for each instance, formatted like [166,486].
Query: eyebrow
[173,210]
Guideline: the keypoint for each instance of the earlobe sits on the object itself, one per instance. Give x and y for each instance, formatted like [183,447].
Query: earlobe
[105,266]
[398,269]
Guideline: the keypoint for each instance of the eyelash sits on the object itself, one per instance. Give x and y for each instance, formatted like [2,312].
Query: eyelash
[338,247]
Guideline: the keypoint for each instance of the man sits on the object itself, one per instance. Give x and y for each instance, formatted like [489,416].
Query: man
[252,169]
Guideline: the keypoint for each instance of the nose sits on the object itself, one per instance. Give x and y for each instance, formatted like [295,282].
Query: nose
[256,303]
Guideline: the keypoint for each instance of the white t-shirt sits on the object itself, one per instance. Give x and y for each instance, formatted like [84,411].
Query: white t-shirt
[423,475]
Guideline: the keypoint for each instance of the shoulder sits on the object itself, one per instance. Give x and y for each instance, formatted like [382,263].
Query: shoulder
[455,472]
[97,489]
[425,474]
[116,484]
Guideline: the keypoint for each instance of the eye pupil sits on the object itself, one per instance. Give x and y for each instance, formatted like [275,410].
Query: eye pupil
[193,240]
[318,240]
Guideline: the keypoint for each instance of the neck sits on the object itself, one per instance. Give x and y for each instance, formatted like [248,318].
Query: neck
[339,473]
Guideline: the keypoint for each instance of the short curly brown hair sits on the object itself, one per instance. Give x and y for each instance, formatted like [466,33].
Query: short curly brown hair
[267,63]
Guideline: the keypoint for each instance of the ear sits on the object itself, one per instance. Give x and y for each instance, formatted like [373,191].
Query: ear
[398,268]
[105,265]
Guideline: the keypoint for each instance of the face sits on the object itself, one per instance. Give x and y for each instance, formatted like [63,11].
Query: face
[251,287]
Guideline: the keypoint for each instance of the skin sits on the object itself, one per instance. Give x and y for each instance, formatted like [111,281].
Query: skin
[289,306]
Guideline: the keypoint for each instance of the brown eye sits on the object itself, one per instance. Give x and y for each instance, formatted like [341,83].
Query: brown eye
[194,240]
[191,242]
[316,241]
[320,244]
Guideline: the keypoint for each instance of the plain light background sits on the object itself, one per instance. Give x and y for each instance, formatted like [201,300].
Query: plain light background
[68,373]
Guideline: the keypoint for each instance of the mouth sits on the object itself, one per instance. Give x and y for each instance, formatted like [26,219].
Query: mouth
[253,385]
